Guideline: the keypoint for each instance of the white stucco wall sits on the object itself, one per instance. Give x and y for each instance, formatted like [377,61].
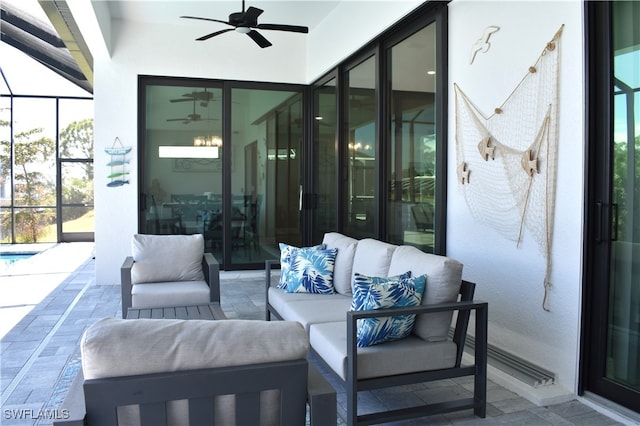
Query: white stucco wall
[351,25]
[510,278]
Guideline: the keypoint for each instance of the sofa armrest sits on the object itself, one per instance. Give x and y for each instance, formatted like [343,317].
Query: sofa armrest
[72,410]
[268,266]
[481,313]
[211,270]
[125,284]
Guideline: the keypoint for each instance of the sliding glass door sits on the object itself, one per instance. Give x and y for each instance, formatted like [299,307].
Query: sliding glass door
[221,159]
[265,151]
[411,197]
[612,288]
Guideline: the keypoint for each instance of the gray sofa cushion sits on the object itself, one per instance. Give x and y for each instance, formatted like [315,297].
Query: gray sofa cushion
[279,298]
[373,258]
[183,293]
[318,310]
[162,258]
[342,273]
[329,341]
[444,276]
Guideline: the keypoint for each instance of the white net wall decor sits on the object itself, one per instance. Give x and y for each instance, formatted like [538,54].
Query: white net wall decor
[506,161]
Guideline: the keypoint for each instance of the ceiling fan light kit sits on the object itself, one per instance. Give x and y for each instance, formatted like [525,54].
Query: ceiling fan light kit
[246,22]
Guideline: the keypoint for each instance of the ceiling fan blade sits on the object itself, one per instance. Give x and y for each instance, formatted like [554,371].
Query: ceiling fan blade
[278,27]
[180,100]
[252,14]
[259,39]
[206,19]
[208,36]
[176,119]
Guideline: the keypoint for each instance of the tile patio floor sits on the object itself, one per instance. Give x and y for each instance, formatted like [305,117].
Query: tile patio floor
[46,302]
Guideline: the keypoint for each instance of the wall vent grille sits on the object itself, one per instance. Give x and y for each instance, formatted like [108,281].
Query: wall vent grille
[520,368]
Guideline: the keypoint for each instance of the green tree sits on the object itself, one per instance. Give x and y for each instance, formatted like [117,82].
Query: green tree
[626,188]
[33,154]
[5,216]
[76,142]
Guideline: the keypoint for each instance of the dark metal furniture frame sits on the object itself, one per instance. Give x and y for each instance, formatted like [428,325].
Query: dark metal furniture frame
[478,370]
[210,268]
[150,392]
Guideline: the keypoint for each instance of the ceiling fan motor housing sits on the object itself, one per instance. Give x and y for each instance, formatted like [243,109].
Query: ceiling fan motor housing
[241,19]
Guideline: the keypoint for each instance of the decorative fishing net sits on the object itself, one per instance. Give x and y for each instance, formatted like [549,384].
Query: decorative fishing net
[506,161]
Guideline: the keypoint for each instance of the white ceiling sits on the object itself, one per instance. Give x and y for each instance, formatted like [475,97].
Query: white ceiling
[291,12]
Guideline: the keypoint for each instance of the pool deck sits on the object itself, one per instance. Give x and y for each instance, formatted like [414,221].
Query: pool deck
[47,301]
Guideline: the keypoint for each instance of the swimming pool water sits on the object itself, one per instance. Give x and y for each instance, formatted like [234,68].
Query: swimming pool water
[7,259]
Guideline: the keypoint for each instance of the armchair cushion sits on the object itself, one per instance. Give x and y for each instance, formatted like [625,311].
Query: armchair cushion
[163,258]
[115,347]
[380,293]
[173,293]
[122,348]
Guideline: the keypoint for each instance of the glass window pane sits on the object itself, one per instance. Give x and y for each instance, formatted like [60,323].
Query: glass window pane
[76,128]
[361,149]
[77,183]
[623,348]
[36,225]
[265,172]
[6,223]
[412,152]
[324,155]
[78,219]
[34,162]
[5,157]
[183,167]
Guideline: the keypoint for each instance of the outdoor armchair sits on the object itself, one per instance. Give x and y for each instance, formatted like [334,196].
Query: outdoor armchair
[168,270]
[162,371]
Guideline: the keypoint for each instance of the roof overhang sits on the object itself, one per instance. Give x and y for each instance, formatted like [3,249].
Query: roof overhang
[66,54]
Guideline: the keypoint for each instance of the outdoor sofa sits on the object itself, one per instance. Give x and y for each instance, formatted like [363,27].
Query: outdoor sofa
[432,350]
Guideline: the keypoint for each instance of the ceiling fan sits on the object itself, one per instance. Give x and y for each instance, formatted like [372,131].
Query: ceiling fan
[191,117]
[204,97]
[244,22]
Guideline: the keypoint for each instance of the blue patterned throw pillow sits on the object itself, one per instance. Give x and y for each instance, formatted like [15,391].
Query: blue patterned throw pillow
[380,293]
[286,253]
[311,271]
